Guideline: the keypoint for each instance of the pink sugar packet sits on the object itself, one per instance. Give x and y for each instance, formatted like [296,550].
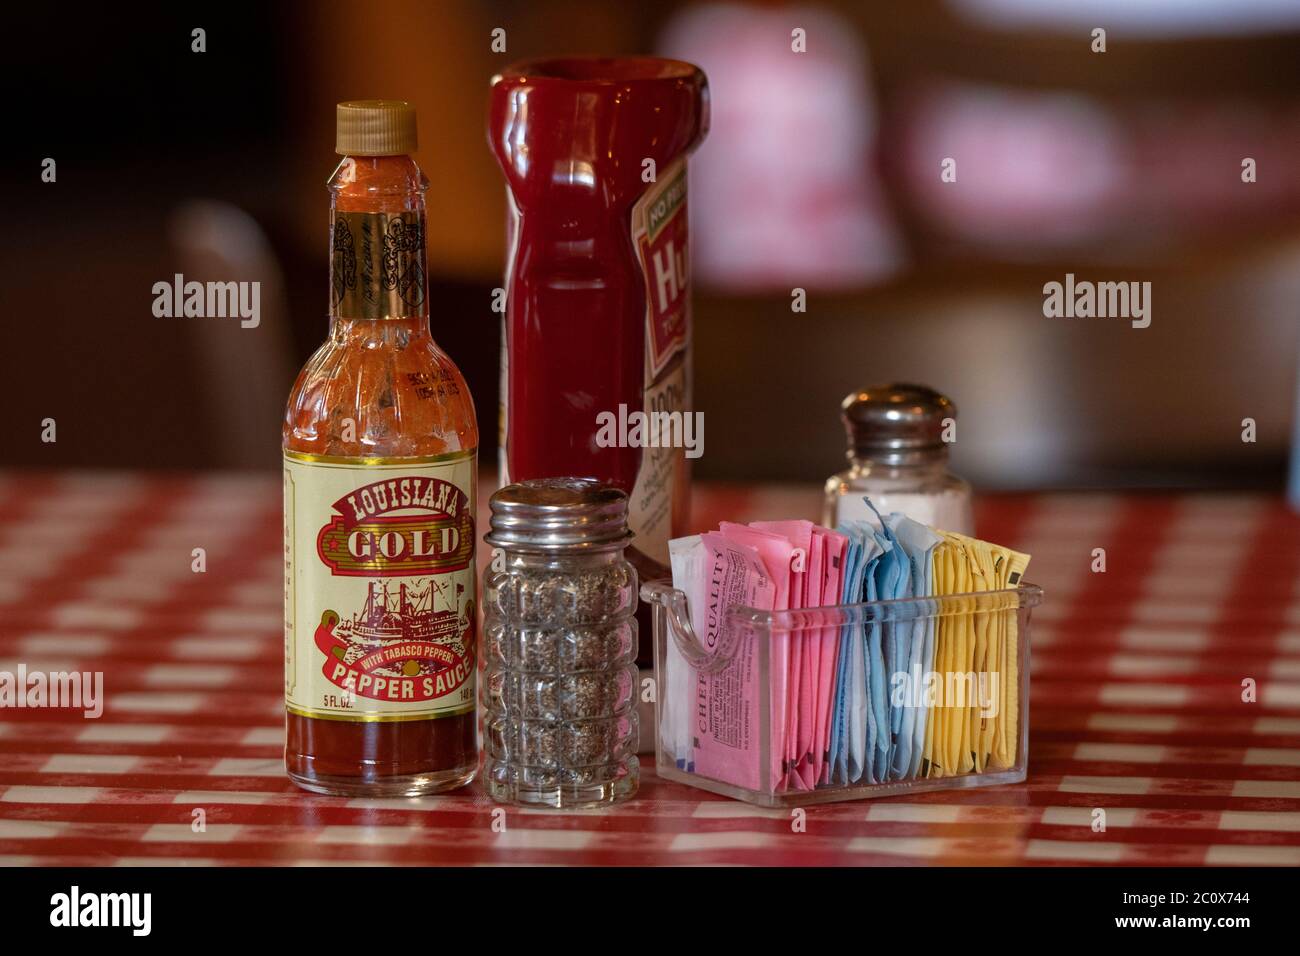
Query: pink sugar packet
[829,647]
[777,554]
[803,778]
[800,535]
[727,740]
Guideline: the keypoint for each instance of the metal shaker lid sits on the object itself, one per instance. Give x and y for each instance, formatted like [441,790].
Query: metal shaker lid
[897,423]
[559,514]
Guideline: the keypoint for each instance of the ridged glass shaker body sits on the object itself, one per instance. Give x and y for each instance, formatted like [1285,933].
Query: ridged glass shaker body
[560,643]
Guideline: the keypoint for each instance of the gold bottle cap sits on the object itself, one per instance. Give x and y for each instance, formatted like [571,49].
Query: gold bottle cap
[375,128]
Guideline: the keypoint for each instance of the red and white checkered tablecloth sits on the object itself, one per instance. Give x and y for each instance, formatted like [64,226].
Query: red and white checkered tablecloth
[1136,700]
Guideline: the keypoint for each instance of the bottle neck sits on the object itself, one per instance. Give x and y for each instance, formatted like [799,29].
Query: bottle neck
[377,243]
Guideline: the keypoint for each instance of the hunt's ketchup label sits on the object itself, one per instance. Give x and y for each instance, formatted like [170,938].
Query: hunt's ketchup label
[658,502]
[379,587]
[662,240]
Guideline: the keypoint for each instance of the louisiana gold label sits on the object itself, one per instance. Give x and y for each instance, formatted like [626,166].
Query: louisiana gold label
[379,587]
[377,265]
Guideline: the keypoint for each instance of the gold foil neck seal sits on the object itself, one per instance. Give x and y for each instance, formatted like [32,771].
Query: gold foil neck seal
[375,128]
[377,265]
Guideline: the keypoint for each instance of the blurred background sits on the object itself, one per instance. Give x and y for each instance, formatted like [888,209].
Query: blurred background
[822,172]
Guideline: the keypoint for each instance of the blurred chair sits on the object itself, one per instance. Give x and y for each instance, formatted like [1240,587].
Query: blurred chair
[240,372]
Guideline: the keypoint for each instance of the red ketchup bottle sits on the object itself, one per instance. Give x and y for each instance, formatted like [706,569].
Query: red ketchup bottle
[597,321]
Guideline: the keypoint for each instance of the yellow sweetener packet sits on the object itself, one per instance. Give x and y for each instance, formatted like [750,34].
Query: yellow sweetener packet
[974,576]
[935,730]
[955,646]
[1006,739]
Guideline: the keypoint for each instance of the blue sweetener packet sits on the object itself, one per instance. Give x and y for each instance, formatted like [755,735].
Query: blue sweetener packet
[918,542]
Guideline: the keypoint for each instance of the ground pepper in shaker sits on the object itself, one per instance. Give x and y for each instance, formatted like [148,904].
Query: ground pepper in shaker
[898,457]
[561,639]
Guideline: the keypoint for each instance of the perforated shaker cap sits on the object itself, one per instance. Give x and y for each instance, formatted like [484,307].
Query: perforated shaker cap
[559,514]
[897,423]
[375,128]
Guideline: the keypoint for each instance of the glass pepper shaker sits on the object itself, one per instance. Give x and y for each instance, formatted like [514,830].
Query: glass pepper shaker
[561,638]
[898,457]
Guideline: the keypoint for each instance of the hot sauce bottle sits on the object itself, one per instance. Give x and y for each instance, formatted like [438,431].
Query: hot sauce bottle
[380,446]
[598,277]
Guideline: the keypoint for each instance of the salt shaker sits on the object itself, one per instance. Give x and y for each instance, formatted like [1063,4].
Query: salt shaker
[898,457]
[561,639]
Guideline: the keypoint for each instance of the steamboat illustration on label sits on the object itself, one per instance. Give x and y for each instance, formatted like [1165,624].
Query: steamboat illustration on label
[412,642]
